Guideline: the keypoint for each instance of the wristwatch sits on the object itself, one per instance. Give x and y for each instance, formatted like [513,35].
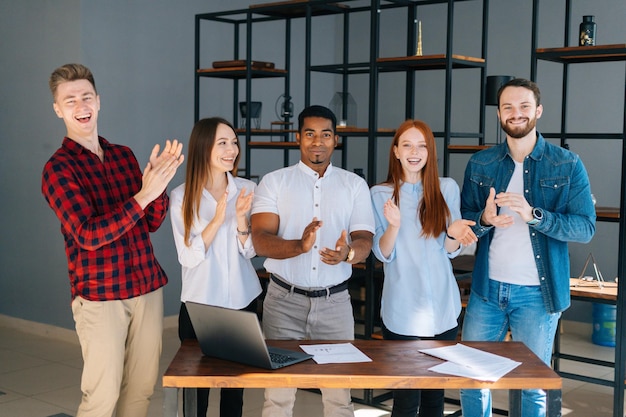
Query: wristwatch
[537,217]
[351,254]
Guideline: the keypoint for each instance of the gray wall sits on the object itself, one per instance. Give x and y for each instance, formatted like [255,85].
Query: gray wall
[141,53]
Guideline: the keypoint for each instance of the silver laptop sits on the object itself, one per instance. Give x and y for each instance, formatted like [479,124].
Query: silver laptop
[236,335]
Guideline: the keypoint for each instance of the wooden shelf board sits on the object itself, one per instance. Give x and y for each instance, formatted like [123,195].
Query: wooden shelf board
[340,130]
[280,145]
[353,129]
[240,72]
[468,147]
[429,62]
[259,144]
[575,54]
[296,8]
[607,212]
[266,131]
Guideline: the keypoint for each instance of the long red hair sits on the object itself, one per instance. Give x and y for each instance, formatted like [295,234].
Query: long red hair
[433,211]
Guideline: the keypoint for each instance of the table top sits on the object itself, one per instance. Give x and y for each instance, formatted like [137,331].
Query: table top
[591,290]
[395,364]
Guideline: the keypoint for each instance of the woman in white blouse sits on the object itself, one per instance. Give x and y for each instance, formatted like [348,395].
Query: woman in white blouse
[210,221]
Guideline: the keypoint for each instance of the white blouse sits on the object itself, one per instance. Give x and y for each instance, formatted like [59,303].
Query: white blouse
[221,275]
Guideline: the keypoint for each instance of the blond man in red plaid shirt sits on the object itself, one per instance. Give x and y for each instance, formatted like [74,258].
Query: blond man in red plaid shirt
[107,208]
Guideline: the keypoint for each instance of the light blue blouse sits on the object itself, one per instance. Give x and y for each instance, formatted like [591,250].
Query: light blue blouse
[420,293]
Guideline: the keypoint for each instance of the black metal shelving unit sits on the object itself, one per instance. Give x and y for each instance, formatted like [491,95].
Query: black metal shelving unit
[368,135]
[243,21]
[409,65]
[580,55]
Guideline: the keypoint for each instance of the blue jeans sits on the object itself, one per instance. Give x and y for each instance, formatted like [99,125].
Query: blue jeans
[520,309]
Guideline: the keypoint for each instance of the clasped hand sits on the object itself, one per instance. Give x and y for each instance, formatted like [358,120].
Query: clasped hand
[328,256]
[514,201]
[242,206]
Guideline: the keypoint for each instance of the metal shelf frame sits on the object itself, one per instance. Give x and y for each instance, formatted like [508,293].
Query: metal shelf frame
[578,55]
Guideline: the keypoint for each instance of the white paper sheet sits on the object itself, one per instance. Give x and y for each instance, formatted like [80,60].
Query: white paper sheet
[335,353]
[471,363]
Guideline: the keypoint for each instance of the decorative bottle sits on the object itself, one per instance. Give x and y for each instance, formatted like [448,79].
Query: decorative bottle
[587,32]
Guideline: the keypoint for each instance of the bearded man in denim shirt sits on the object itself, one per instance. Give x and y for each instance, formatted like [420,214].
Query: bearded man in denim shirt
[528,198]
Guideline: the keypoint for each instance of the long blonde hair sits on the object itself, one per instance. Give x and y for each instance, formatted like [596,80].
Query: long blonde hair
[432,210]
[198,172]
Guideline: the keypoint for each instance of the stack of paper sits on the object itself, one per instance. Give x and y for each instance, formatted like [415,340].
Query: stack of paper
[335,353]
[471,363]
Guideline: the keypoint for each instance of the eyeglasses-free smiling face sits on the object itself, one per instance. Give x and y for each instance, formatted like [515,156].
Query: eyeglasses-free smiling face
[317,141]
[518,111]
[77,103]
[225,150]
[412,153]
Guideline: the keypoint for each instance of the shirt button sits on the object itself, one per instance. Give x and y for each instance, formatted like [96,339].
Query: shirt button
[543,278]
[538,256]
[555,186]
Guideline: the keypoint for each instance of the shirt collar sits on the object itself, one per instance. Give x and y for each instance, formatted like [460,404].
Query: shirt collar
[536,154]
[309,171]
[76,148]
[411,188]
[231,187]
[539,148]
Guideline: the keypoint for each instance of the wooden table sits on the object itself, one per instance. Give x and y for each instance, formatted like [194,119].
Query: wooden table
[591,291]
[588,291]
[395,364]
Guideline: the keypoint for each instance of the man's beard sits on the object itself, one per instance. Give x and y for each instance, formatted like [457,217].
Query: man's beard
[317,160]
[519,132]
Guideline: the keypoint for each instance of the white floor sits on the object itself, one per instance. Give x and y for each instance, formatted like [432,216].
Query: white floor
[40,372]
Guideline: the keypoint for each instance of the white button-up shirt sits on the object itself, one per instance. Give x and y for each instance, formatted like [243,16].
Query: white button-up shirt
[297,194]
[221,275]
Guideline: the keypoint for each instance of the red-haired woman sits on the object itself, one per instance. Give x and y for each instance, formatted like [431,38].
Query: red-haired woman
[418,229]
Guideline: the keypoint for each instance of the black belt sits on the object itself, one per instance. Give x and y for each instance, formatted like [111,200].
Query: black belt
[311,293]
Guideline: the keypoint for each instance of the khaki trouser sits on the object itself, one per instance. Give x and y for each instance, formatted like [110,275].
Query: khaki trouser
[288,315]
[121,346]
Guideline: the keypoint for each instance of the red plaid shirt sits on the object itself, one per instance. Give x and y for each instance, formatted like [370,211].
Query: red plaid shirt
[107,234]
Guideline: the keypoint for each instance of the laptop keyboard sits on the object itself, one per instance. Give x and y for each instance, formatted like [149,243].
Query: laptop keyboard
[279,358]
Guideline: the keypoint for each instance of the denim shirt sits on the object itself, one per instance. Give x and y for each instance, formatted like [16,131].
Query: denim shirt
[556,182]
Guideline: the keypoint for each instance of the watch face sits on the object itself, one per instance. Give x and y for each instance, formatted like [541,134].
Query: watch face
[537,214]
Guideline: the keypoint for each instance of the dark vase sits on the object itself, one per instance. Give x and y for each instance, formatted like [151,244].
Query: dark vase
[587,32]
